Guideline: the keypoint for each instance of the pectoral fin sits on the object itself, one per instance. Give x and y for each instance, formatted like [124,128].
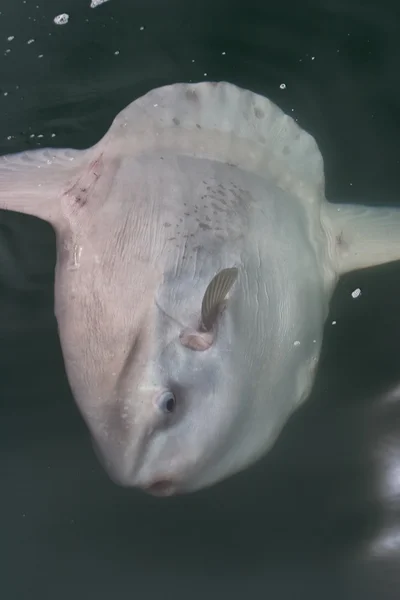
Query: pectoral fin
[213,299]
[214,296]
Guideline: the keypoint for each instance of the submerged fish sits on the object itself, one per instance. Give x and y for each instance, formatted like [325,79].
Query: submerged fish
[196,258]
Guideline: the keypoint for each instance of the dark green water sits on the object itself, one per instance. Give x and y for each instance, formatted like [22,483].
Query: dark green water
[319,517]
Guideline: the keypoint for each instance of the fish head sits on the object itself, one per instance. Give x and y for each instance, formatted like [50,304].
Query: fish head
[163,414]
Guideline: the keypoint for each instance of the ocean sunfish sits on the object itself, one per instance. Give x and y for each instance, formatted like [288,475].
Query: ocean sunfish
[196,258]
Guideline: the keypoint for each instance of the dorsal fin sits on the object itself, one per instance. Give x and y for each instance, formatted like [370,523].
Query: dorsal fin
[215,294]
[222,122]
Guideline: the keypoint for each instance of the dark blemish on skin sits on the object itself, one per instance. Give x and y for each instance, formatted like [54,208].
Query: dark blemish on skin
[96,163]
[78,194]
[208,218]
[187,214]
[222,192]
[80,200]
[167,224]
[339,239]
[181,220]
[259,113]
[236,195]
[192,96]
[198,126]
[171,239]
[204,226]
[176,121]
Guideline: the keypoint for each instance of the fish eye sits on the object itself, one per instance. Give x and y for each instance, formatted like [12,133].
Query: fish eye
[167,402]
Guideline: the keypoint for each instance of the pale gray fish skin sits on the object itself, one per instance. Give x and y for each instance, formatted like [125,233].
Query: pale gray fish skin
[189,180]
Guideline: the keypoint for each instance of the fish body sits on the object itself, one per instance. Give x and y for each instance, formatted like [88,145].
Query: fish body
[196,258]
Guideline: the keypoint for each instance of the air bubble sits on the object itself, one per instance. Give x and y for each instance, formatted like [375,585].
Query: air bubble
[95,3]
[61,19]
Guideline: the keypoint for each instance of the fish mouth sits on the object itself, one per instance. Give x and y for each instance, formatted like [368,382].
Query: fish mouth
[161,488]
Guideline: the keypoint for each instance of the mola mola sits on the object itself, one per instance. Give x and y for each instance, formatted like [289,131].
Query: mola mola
[196,258]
